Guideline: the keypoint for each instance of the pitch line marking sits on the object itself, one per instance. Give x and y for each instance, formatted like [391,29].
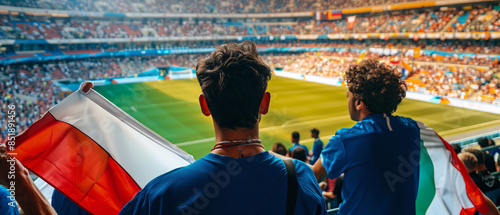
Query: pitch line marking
[196,141]
[266,129]
[287,124]
[469,127]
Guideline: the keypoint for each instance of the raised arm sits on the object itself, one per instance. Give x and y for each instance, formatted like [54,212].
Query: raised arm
[14,175]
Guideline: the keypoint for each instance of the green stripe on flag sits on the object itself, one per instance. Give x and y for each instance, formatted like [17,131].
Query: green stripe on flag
[426,184]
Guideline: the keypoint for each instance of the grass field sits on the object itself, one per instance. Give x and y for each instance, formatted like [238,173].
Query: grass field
[171,109]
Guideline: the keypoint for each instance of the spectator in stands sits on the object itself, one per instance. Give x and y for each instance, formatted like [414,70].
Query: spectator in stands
[299,153]
[295,141]
[491,155]
[317,146]
[279,148]
[332,191]
[337,190]
[233,80]
[482,177]
[469,161]
[456,148]
[487,142]
[374,90]
[374,145]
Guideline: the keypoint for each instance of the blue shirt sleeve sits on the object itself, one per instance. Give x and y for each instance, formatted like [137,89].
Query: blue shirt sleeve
[309,197]
[63,205]
[138,205]
[333,157]
[7,206]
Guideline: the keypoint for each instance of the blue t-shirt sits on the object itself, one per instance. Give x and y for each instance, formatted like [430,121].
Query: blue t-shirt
[317,148]
[63,205]
[7,205]
[217,184]
[379,157]
[303,146]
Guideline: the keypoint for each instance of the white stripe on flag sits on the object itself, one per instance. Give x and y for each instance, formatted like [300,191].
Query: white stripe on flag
[141,152]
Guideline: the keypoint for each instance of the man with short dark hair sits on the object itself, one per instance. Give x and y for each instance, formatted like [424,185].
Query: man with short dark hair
[317,146]
[279,148]
[295,141]
[239,176]
[299,153]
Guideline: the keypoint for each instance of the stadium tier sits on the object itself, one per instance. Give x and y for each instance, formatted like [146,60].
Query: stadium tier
[482,19]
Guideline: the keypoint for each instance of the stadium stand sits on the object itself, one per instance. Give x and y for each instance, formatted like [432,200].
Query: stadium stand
[192,6]
[483,19]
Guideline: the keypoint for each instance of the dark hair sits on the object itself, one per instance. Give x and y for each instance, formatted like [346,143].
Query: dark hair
[483,142]
[377,85]
[456,148]
[479,155]
[279,148]
[233,80]
[295,135]
[299,153]
[315,131]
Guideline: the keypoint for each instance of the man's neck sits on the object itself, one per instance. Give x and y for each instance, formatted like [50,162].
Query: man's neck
[364,113]
[481,168]
[226,134]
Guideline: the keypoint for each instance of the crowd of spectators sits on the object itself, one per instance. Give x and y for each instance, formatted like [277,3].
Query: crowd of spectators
[428,21]
[86,30]
[33,88]
[481,164]
[458,79]
[193,6]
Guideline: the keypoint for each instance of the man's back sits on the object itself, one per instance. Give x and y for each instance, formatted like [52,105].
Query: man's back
[317,148]
[379,157]
[299,145]
[217,184]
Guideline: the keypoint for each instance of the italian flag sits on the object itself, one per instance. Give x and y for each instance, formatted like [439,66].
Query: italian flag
[94,153]
[445,186]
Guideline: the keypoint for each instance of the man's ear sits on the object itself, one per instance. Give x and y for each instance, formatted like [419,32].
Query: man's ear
[203,105]
[264,104]
[359,105]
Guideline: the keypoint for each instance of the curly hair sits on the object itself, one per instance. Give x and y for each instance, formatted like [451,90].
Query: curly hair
[377,85]
[233,80]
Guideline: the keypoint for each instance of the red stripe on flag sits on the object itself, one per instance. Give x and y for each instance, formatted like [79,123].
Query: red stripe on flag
[474,194]
[467,211]
[76,165]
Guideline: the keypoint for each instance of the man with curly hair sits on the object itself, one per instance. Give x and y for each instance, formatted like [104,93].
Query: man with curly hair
[378,145]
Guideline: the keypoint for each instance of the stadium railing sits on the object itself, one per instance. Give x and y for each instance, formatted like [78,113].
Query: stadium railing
[472,141]
[333,211]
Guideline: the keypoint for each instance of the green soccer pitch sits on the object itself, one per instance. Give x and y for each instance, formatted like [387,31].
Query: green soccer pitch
[170,108]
